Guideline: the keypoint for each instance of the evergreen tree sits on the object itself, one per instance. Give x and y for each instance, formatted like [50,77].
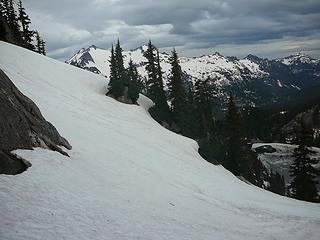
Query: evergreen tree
[235,161]
[27,35]
[204,98]
[113,71]
[12,21]
[162,95]
[177,92]
[277,184]
[4,9]
[40,47]
[3,21]
[118,77]
[134,82]
[303,185]
[192,115]
[154,85]
[43,47]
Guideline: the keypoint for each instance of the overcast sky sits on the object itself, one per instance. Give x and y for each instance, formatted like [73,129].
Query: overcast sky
[267,28]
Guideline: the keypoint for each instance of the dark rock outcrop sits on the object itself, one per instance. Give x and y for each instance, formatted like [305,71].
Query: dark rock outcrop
[12,164]
[310,118]
[22,126]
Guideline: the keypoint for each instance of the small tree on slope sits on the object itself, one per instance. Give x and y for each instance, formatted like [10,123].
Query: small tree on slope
[40,47]
[134,86]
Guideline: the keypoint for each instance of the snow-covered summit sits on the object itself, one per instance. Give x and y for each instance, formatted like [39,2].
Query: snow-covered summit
[220,69]
[299,58]
[127,177]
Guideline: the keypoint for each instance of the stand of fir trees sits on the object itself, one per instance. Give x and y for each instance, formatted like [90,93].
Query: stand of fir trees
[15,27]
[303,185]
[124,84]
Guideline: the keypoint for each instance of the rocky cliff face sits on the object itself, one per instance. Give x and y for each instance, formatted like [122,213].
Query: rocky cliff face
[22,127]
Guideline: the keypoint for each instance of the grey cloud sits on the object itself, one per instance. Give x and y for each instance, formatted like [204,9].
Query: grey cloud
[202,24]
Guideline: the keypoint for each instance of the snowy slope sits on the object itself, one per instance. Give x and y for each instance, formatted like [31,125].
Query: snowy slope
[127,177]
[215,66]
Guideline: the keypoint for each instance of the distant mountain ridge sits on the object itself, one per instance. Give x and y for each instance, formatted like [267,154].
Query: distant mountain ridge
[255,81]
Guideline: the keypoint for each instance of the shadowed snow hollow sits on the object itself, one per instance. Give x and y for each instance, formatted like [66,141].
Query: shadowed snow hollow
[127,177]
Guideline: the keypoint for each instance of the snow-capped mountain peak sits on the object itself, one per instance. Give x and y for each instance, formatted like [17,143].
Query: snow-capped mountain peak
[299,58]
[215,66]
[256,81]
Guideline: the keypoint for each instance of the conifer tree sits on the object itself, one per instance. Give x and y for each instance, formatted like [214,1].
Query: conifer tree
[204,98]
[159,78]
[134,86]
[12,21]
[43,47]
[154,84]
[303,185]
[277,184]
[177,92]
[2,8]
[40,47]
[118,77]
[3,21]
[235,160]
[113,71]
[27,35]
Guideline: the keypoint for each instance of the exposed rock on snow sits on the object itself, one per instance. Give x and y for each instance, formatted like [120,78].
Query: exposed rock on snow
[12,164]
[22,127]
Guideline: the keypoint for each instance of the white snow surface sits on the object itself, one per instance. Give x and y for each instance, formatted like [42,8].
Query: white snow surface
[127,177]
[214,66]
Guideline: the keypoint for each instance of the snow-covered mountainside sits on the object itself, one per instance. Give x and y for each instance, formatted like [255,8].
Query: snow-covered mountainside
[127,177]
[255,81]
[214,66]
[281,157]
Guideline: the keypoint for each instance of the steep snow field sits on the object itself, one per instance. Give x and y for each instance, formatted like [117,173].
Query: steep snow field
[127,177]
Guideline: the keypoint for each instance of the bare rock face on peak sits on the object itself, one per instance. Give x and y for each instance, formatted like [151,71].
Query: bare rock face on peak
[22,126]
